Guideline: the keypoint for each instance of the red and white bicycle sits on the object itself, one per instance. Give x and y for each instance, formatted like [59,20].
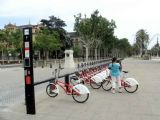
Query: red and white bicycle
[87,77]
[129,84]
[79,92]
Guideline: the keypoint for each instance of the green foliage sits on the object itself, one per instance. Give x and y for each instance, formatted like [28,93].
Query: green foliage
[135,49]
[2,39]
[56,25]
[11,41]
[47,40]
[124,46]
[77,51]
[155,50]
[95,31]
[17,39]
[83,27]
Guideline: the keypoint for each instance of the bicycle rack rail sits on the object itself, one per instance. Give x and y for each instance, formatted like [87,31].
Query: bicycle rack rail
[80,66]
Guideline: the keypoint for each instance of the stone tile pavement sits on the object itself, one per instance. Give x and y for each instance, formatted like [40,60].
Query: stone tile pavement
[101,105]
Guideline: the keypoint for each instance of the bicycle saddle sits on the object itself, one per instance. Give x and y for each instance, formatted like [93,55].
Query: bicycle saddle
[125,71]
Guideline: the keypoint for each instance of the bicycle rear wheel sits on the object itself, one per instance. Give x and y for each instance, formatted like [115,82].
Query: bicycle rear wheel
[95,85]
[106,85]
[51,90]
[130,89]
[80,98]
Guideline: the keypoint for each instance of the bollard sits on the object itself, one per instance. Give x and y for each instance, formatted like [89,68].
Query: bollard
[50,65]
[82,65]
[78,66]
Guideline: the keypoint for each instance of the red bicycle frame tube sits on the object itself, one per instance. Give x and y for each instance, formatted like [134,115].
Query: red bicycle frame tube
[123,83]
[64,85]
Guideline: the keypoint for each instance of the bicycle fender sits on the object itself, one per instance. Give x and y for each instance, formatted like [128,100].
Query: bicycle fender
[104,73]
[131,81]
[97,79]
[56,90]
[81,89]
[101,75]
[107,72]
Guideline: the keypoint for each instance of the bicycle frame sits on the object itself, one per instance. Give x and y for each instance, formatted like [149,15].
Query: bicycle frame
[87,74]
[66,87]
[126,82]
[76,91]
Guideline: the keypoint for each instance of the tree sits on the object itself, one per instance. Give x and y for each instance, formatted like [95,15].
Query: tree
[93,31]
[135,49]
[103,32]
[47,41]
[124,47]
[142,41]
[4,42]
[56,24]
[77,51]
[16,41]
[1,43]
[97,30]
[156,49]
[83,27]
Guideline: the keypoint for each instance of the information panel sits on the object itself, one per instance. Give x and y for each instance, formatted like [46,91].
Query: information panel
[28,70]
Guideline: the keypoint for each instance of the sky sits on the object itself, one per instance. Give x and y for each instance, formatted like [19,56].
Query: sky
[129,15]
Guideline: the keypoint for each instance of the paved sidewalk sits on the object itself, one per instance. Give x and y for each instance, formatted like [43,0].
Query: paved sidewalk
[101,105]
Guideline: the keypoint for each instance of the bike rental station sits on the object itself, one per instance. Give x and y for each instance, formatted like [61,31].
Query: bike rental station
[93,73]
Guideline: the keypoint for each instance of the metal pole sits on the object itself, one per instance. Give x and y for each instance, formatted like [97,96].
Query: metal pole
[67,81]
[28,70]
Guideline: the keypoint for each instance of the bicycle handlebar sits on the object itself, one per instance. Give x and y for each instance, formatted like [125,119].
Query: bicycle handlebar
[125,71]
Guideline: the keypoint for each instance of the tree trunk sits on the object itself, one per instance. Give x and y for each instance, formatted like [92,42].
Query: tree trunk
[56,54]
[140,52]
[2,57]
[105,52]
[87,53]
[95,52]
[43,64]
[39,55]
[99,54]
[47,55]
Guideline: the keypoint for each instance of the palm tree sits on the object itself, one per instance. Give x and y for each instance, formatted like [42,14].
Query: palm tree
[142,41]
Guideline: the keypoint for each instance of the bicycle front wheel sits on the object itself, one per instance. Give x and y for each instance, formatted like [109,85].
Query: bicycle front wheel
[130,89]
[80,98]
[95,85]
[106,85]
[51,90]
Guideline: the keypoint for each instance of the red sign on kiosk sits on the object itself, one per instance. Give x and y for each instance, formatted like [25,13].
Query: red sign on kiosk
[28,80]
